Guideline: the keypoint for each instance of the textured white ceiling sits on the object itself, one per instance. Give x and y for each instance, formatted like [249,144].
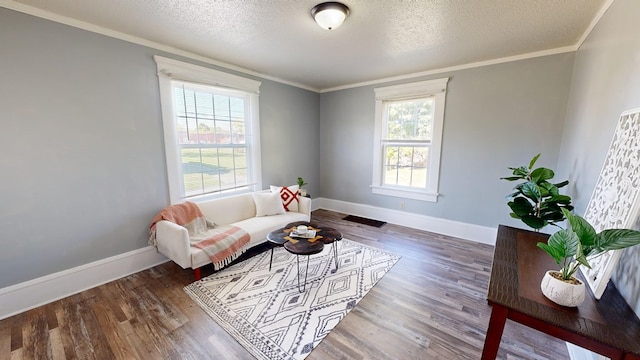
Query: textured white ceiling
[379,39]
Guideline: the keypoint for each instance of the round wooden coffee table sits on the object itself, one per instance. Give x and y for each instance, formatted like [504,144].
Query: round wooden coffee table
[299,245]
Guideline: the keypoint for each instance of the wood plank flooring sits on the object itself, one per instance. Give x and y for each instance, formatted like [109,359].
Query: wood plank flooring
[431,305]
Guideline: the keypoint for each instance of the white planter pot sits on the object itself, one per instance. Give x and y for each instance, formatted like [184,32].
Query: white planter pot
[562,293]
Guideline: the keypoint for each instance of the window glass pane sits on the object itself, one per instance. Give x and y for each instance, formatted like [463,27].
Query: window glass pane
[238,132]
[203,103]
[223,132]
[206,133]
[184,101]
[227,177]
[222,110]
[210,169]
[242,176]
[236,106]
[192,171]
[240,158]
[410,119]
[406,166]
[210,127]
[391,165]
[419,167]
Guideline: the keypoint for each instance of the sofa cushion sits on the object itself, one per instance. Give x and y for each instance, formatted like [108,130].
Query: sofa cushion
[268,204]
[289,195]
[257,227]
[227,210]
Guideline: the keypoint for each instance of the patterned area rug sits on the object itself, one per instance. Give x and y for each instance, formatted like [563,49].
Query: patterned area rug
[264,310]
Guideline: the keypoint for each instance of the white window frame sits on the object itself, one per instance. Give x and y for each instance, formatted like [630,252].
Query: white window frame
[169,70]
[436,88]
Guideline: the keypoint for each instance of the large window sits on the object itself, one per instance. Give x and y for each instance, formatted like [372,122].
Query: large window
[408,136]
[211,131]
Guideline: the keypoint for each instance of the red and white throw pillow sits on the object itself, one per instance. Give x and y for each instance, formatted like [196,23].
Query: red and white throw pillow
[289,196]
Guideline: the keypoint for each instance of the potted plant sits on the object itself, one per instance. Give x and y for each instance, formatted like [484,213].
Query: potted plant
[301,183]
[573,247]
[536,201]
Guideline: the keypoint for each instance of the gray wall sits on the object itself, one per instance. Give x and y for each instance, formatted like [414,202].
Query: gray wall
[289,125]
[605,82]
[496,116]
[83,168]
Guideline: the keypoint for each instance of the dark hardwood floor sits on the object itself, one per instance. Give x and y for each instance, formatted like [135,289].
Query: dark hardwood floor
[431,305]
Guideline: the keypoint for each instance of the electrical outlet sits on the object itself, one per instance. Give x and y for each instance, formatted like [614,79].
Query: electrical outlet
[401,204]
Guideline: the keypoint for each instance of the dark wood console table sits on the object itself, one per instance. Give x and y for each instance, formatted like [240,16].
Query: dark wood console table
[607,326]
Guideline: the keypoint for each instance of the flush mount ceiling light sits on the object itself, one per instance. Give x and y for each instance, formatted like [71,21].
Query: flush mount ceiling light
[330,15]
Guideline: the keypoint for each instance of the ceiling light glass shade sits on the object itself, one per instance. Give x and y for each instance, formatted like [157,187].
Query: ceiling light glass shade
[330,15]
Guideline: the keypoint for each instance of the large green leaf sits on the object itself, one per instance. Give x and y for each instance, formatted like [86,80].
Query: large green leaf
[533,161]
[553,190]
[552,216]
[552,211]
[534,222]
[563,199]
[521,206]
[585,232]
[531,190]
[562,184]
[550,207]
[616,239]
[555,254]
[545,189]
[541,174]
[581,256]
[565,241]
[562,244]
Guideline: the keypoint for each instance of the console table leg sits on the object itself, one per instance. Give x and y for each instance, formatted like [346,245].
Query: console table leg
[494,332]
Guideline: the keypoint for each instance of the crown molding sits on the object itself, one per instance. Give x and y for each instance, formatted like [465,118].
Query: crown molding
[47,15]
[449,69]
[594,22]
[30,10]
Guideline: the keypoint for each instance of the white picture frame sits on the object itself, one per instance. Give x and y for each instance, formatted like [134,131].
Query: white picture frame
[614,201]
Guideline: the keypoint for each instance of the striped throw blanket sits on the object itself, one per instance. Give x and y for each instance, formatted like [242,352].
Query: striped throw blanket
[222,244]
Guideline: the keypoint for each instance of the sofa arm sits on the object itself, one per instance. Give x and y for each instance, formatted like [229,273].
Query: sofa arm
[173,242]
[304,206]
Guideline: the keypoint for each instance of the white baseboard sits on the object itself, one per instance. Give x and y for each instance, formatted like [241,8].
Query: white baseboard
[33,293]
[477,233]
[37,292]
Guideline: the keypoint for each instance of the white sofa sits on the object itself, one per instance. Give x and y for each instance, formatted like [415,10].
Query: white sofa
[173,240]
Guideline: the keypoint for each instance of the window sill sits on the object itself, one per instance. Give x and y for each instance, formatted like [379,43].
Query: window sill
[408,194]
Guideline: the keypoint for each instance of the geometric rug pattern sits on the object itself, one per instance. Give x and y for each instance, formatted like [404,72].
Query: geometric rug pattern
[264,310]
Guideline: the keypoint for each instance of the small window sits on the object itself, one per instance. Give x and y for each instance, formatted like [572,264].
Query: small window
[211,131]
[408,136]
